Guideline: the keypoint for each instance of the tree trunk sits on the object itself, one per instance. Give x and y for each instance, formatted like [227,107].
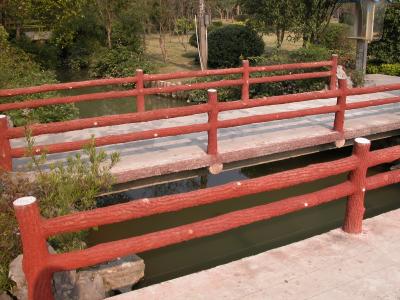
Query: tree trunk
[161,40]
[109,44]
[18,32]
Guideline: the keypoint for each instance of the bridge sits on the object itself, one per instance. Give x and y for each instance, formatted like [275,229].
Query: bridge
[263,127]
[167,144]
[39,265]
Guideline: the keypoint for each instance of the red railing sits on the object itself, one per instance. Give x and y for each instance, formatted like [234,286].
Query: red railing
[140,91]
[39,265]
[213,107]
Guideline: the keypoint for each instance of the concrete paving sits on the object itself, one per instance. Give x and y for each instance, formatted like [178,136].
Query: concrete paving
[334,265]
[161,156]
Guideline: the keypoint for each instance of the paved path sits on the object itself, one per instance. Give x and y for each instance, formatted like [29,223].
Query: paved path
[161,156]
[334,265]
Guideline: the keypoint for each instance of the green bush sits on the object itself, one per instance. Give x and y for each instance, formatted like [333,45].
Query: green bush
[228,45]
[310,54]
[274,57]
[117,62]
[46,54]
[358,78]
[387,69]
[19,70]
[214,25]
[387,50]
[224,93]
[335,37]
[61,190]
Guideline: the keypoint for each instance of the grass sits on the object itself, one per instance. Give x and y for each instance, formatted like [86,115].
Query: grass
[177,58]
[180,60]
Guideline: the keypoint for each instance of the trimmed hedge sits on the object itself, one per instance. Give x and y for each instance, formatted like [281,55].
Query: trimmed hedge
[228,45]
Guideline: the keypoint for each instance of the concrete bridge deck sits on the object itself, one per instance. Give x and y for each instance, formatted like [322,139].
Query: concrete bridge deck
[238,146]
[334,265]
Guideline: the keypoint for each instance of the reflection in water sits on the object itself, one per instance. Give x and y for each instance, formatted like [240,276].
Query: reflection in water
[112,106]
[184,258]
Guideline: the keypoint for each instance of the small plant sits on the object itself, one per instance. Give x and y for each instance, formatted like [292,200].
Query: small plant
[65,188]
[358,78]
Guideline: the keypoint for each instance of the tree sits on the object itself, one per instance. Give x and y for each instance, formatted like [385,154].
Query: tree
[273,16]
[60,17]
[15,13]
[108,10]
[163,19]
[313,19]
[225,8]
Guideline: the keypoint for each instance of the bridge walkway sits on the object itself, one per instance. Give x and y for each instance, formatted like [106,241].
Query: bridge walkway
[252,143]
[334,265]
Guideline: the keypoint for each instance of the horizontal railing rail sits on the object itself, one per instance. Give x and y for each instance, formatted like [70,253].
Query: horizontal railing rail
[170,76]
[213,108]
[39,265]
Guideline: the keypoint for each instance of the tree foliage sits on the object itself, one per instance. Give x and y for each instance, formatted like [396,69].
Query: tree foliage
[18,70]
[306,19]
[272,16]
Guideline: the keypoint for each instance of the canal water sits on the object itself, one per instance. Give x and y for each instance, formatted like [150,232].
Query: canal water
[185,258]
[112,106]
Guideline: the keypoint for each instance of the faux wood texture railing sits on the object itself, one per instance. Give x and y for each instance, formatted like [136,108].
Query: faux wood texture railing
[39,265]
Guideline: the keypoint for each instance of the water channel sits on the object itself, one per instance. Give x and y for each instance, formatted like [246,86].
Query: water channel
[178,260]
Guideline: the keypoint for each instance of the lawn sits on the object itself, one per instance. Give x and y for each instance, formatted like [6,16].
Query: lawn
[180,60]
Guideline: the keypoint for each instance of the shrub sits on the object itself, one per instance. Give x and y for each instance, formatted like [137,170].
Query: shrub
[273,57]
[19,70]
[61,190]
[335,37]
[224,93]
[229,44]
[117,62]
[214,25]
[387,50]
[310,54]
[358,78]
[387,69]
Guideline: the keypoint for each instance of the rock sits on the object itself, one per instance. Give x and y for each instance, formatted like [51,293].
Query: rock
[120,274]
[64,285]
[5,296]
[89,286]
[93,283]
[16,274]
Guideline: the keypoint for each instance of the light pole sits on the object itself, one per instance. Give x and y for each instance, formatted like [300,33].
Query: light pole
[368,26]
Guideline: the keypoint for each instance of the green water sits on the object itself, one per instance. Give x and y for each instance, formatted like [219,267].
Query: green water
[185,258]
[177,260]
[111,106]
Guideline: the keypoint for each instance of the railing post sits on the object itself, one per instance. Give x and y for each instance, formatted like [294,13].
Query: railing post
[140,105]
[35,252]
[212,147]
[340,114]
[5,148]
[246,78]
[355,203]
[332,85]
